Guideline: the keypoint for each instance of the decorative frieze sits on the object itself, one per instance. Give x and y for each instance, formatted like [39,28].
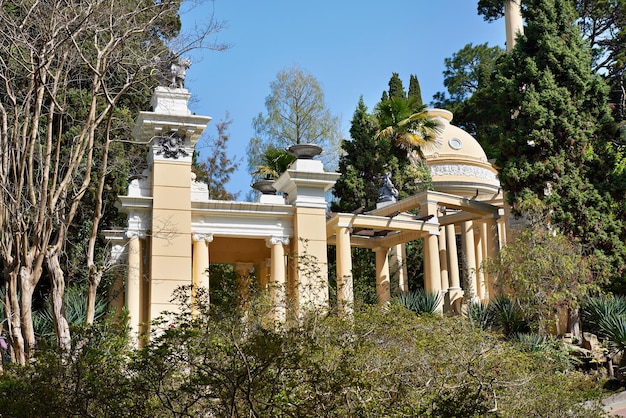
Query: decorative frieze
[464,170]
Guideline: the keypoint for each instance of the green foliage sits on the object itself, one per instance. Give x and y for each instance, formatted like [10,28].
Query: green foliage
[217,167]
[296,113]
[502,315]
[414,89]
[92,380]
[595,309]
[75,303]
[396,89]
[206,362]
[420,301]
[273,163]
[606,316]
[556,137]
[544,272]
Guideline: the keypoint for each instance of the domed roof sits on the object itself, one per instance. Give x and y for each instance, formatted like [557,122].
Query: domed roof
[458,164]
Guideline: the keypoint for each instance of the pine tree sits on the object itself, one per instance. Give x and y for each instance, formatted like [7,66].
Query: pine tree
[555,130]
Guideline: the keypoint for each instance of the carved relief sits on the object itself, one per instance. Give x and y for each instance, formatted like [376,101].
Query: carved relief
[464,171]
[172,146]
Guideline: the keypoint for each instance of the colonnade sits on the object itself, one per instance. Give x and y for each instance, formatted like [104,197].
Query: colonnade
[137,299]
[445,264]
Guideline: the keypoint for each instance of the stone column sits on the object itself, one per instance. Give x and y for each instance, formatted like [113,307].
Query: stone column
[398,263]
[468,247]
[200,266]
[432,266]
[383,293]
[133,283]
[444,268]
[513,22]
[493,247]
[480,256]
[278,277]
[443,260]
[345,291]
[455,291]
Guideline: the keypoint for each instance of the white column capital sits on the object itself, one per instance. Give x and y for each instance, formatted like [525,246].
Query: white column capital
[203,237]
[276,240]
[130,234]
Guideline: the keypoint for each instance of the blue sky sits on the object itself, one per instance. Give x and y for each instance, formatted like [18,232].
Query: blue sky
[351,47]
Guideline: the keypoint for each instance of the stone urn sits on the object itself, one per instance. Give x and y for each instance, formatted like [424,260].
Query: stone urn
[305,151]
[265,186]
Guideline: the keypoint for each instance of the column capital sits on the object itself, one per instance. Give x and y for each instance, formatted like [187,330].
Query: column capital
[276,240]
[130,234]
[202,237]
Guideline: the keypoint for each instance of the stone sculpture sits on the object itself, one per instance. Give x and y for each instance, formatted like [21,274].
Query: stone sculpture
[388,192]
[179,72]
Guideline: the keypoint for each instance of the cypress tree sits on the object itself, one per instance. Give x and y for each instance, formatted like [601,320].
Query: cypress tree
[415,89]
[554,141]
[396,89]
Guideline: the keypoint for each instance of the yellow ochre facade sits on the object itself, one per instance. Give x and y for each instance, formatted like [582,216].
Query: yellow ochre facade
[174,230]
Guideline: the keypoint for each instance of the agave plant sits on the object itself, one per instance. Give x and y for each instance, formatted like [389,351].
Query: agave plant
[420,301]
[597,309]
[75,301]
[479,315]
[531,342]
[507,316]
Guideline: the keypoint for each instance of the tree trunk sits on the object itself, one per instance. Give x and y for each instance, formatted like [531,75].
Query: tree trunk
[95,276]
[573,323]
[13,315]
[26,306]
[57,279]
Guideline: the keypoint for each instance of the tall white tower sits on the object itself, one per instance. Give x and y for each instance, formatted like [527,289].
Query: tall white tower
[512,21]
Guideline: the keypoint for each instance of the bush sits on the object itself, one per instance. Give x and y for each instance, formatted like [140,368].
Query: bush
[376,363]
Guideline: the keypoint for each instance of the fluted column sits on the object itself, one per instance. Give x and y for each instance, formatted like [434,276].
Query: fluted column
[278,277]
[383,293]
[467,240]
[432,267]
[133,283]
[345,291]
[201,264]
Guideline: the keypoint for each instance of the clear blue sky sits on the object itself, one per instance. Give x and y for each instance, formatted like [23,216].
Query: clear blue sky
[351,47]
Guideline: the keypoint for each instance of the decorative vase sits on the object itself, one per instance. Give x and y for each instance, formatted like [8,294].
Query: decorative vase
[305,151]
[265,186]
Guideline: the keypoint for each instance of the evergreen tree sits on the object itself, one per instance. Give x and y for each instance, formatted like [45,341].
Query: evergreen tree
[361,164]
[396,89]
[415,90]
[465,76]
[554,141]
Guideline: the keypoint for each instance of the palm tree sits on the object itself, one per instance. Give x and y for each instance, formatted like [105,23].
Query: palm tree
[407,124]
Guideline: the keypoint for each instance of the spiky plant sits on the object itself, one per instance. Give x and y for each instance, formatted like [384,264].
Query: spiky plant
[507,315]
[479,315]
[420,301]
[596,309]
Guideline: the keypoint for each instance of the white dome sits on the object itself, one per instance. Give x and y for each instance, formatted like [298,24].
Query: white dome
[458,164]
